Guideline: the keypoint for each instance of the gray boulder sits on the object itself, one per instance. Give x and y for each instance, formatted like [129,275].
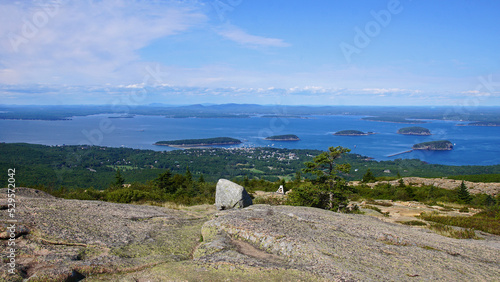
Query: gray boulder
[230,195]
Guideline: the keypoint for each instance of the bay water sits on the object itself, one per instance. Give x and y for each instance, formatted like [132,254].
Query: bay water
[472,145]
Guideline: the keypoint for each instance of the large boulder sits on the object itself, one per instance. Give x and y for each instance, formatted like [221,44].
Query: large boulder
[230,195]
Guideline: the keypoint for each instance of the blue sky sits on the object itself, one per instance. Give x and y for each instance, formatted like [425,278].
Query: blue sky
[324,52]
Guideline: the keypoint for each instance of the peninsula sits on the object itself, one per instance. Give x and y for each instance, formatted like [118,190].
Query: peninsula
[286,137]
[393,119]
[189,143]
[441,145]
[414,130]
[484,123]
[352,133]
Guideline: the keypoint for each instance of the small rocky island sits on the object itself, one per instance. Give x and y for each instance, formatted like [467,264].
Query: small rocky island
[286,137]
[441,145]
[414,130]
[189,143]
[352,133]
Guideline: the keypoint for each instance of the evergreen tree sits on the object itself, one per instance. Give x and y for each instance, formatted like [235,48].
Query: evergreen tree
[119,180]
[298,177]
[368,177]
[463,194]
[246,182]
[327,170]
[201,179]
[165,183]
[189,175]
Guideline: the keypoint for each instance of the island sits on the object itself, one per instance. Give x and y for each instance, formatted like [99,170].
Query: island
[441,145]
[483,123]
[286,137]
[352,133]
[414,130]
[189,143]
[393,119]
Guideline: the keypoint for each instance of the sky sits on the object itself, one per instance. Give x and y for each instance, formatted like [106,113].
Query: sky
[290,52]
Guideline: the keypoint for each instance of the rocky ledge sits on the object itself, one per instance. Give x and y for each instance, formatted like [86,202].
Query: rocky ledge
[98,241]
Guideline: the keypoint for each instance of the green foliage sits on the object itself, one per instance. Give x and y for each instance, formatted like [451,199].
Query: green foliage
[463,194]
[350,132]
[119,180]
[308,194]
[413,223]
[165,183]
[477,178]
[434,145]
[414,130]
[92,166]
[487,221]
[328,182]
[368,177]
[449,231]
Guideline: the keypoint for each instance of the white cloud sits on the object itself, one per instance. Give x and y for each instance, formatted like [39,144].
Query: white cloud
[240,36]
[84,41]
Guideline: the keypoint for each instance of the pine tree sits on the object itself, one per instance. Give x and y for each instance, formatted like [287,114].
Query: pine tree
[463,194]
[327,169]
[165,183]
[189,175]
[368,177]
[119,180]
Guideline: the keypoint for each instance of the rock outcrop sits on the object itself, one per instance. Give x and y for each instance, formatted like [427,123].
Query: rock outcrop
[345,247]
[68,240]
[230,195]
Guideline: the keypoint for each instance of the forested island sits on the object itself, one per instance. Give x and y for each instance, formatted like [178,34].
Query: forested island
[352,133]
[286,137]
[414,130]
[441,145]
[187,143]
[394,119]
[482,123]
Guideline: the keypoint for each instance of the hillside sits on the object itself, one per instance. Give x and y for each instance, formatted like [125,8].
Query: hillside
[102,241]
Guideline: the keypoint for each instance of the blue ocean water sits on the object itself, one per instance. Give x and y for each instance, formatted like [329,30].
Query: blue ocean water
[473,145]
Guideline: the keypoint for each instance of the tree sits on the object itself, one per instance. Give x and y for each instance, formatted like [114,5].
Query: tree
[463,194]
[165,183]
[119,180]
[368,177]
[189,175]
[201,179]
[327,170]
